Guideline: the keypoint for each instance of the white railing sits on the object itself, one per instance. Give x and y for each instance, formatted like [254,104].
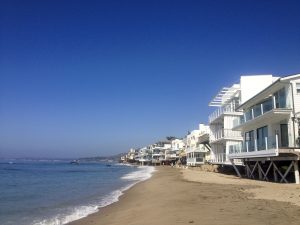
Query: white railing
[225,133]
[258,110]
[194,161]
[238,121]
[196,149]
[220,111]
[172,156]
[219,158]
[268,143]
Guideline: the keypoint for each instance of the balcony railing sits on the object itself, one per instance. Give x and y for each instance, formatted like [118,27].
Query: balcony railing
[196,149]
[219,158]
[172,156]
[221,111]
[256,145]
[195,160]
[225,133]
[260,109]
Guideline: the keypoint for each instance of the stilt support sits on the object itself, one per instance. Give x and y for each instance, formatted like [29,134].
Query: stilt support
[274,173]
[296,171]
[235,168]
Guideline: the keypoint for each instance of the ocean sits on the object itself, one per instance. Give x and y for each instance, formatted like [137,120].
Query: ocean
[55,192]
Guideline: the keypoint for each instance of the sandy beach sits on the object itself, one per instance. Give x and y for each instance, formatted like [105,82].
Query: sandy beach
[190,196]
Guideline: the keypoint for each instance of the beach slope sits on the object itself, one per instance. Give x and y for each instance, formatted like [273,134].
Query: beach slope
[168,198]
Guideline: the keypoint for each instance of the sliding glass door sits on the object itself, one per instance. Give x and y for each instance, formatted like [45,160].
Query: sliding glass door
[284,136]
[261,134]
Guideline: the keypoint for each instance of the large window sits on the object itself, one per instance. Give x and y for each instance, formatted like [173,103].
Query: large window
[280,98]
[248,115]
[267,105]
[249,141]
[261,134]
[298,88]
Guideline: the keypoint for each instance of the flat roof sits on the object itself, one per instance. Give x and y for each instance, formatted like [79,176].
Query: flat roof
[281,79]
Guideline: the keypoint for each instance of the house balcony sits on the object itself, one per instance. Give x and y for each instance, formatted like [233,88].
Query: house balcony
[155,161]
[219,158]
[172,156]
[196,149]
[225,134]
[162,158]
[195,161]
[267,147]
[266,112]
[145,160]
[220,112]
[157,154]
[204,138]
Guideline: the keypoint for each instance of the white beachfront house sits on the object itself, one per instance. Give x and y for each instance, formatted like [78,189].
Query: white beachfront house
[172,154]
[144,156]
[195,151]
[158,152]
[270,126]
[177,144]
[222,136]
[130,157]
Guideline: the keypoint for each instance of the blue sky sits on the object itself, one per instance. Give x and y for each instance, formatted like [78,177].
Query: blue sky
[87,78]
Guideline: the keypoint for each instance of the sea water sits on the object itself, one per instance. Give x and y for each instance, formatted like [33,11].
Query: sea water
[55,192]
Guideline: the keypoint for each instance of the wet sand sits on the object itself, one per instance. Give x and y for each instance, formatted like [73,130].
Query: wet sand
[183,196]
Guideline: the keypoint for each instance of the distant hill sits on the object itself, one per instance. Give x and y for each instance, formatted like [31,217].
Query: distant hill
[102,158]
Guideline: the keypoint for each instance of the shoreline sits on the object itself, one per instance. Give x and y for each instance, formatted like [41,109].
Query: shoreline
[122,193]
[183,196]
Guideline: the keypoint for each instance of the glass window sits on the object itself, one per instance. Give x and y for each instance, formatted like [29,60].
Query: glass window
[280,98]
[298,88]
[249,141]
[267,105]
[257,110]
[248,115]
[261,134]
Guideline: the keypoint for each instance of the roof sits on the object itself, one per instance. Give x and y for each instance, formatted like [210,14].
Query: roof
[224,95]
[279,80]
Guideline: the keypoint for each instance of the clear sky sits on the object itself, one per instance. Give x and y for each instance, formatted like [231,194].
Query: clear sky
[88,78]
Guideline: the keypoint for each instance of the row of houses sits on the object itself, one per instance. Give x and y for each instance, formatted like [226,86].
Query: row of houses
[255,128]
[191,150]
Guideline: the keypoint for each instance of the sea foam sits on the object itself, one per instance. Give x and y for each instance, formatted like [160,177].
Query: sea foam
[144,173]
[76,213]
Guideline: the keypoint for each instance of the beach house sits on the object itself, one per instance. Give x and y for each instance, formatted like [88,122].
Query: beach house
[195,151]
[130,157]
[270,126]
[144,156]
[172,153]
[158,152]
[227,101]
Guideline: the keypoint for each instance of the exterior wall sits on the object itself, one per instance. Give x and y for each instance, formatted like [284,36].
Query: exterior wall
[195,151]
[285,101]
[222,136]
[218,153]
[177,144]
[251,85]
[192,138]
[296,96]
[195,158]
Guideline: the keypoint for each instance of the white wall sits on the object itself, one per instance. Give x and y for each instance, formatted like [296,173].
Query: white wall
[203,128]
[251,85]
[296,96]
[177,144]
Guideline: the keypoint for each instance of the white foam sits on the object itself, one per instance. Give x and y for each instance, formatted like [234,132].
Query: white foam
[77,213]
[144,173]
[125,164]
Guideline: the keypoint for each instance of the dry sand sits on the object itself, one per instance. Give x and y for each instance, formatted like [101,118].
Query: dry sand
[184,196]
